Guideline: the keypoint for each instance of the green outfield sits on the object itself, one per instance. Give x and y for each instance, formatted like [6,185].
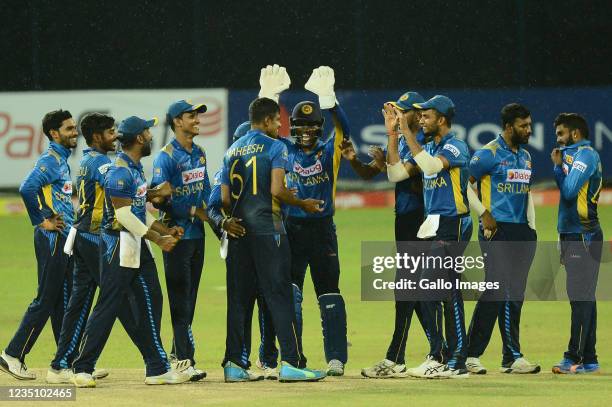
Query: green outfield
[544,335]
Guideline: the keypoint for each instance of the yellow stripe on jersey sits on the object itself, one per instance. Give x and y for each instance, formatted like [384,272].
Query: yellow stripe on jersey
[455,177]
[485,191]
[98,210]
[48,195]
[338,137]
[581,203]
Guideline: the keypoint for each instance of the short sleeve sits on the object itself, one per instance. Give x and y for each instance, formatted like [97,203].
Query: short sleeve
[162,168]
[455,152]
[120,183]
[481,163]
[279,156]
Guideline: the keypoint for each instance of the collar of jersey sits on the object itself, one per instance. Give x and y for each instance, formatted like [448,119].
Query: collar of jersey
[60,149]
[576,145]
[128,160]
[178,145]
[90,149]
[443,140]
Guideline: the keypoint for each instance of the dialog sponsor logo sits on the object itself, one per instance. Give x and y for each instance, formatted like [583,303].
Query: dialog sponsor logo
[67,188]
[316,168]
[197,174]
[519,176]
[141,191]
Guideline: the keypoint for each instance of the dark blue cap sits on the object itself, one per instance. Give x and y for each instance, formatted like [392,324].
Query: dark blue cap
[441,103]
[406,101]
[182,106]
[241,130]
[133,126]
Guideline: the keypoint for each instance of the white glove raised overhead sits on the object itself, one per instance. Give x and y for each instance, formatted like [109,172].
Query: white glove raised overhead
[272,81]
[321,83]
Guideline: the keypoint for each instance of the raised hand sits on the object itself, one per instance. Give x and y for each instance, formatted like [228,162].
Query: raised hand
[273,80]
[321,83]
[348,150]
[391,119]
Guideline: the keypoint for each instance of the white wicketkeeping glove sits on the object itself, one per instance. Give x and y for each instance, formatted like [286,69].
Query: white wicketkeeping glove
[273,80]
[321,83]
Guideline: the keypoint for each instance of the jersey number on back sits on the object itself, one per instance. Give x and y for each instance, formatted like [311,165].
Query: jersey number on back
[233,175]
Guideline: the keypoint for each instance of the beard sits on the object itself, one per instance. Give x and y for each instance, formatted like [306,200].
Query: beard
[146,149]
[518,139]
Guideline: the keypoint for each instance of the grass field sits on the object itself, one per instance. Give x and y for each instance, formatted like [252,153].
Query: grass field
[544,335]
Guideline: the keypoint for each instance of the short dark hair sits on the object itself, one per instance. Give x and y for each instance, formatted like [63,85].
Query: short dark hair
[513,111]
[171,119]
[261,108]
[573,121]
[95,123]
[53,121]
[448,117]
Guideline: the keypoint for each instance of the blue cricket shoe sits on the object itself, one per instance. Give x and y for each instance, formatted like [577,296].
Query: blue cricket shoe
[289,373]
[587,368]
[234,373]
[563,367]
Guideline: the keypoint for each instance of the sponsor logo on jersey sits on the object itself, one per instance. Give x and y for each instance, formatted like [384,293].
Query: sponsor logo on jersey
[104,168]
[194,175]
[518,176]
[565,169]
[569,159]
[316,168]
[141,191]
[454,150]
[528,164]
[67,187]
[580,166]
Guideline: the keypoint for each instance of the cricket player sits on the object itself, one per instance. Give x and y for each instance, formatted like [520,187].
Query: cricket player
[443,162]
[99,132]
[409,216]
[268,353]
[503,172]
[182,163]
[252,189]
[127,262]
[313,166]
[578,174]
[47,195]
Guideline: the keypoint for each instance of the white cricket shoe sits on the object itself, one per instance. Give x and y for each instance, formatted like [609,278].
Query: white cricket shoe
[269,373]
[521,366]
[255,376]
[15,368]
[170,377]
[99,374]
[335,368]
[428,369]
[59,376]
[474,366]
[194,374]
[448,373]
[83,380]
[384,369]
[180,365]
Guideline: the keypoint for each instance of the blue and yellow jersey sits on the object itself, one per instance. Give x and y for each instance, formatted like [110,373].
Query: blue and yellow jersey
[445,193]
[314,174]
[409,192]
[188,174]
[504,180]
[214,202]
[247,170]
[90,189]
[580,180]
[47,190]
[124,179]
